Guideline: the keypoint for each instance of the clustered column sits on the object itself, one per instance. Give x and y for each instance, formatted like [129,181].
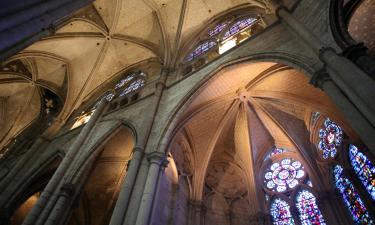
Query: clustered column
[349,87]
[56,188]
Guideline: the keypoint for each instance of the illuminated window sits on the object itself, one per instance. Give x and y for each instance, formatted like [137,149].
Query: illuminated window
[364,169]
[217,29]
[280,212]
[83,118]
[239,26]
[284,175]
[276,151]
[201,49]
[131,83]
[309,212]
[330,139]
[352,200]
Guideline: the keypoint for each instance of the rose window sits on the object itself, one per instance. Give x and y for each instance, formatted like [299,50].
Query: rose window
[330,139]
[284,175]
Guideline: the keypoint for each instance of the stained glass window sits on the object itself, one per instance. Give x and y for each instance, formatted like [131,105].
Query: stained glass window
[284,175]
[364,169]
[309,212]
[309,183]
[239,26]
[280,212]
[276,151]
[133,86]
[351,198]
[201,49]
[330,139]
[217,29]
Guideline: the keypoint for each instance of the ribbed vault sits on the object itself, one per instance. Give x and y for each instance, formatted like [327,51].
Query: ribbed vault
[95,45]
[235,119]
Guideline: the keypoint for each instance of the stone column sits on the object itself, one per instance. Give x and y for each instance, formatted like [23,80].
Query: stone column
[358,122]
[195,213]
[41,209]
[332,212]
[355,84]
[126,188]
[156,159]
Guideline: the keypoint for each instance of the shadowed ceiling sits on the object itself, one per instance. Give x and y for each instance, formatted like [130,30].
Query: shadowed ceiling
[234,120]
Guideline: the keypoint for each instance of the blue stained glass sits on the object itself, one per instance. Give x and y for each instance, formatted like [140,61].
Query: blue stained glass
[217,29]
[351,198]
[280,212]
[284,175]
[201,49]
[276,151]
[239,26]
[309,212]
[364,169]
[133,86]
[330,139]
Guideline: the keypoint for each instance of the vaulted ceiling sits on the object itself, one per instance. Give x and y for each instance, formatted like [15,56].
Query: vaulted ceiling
[95,45]
[236,118]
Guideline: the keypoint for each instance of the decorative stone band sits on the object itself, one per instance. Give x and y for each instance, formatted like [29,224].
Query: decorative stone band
[158,158]
[67,190]
[319,78]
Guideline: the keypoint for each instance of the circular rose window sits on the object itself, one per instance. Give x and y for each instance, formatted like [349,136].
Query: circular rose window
[284,175]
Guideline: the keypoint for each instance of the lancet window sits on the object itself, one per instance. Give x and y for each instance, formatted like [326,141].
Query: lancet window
[363,168]
[130,83]
[225,35]
[284,175]
[352,200]
[280,212]
[308,209]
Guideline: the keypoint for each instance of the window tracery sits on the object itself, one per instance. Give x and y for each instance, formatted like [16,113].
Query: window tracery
[308,209]
[239,26]
[351,198]
[276,151]
[330,138]
[201,50]
[217,29]
[280,212]
[284,175]
[364,169]
[224,36]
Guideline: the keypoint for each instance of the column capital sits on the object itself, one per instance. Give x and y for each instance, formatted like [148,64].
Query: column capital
[67,190]
[319,78]
[139,149]
[158,158]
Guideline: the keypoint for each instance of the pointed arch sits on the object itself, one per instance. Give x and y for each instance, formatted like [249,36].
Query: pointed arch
[352,200]
[363,168]
[280,212]
[309,212]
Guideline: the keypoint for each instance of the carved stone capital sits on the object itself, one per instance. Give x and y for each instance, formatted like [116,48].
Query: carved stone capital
[68,190]
[157,158]
[319,78]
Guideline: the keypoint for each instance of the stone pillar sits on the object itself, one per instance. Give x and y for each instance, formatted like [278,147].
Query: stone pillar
[358,122]
[126,188]
[295,214]
[41,209]
[354,83]
[332,212]
[66,194]
[156,159]
[195,212]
